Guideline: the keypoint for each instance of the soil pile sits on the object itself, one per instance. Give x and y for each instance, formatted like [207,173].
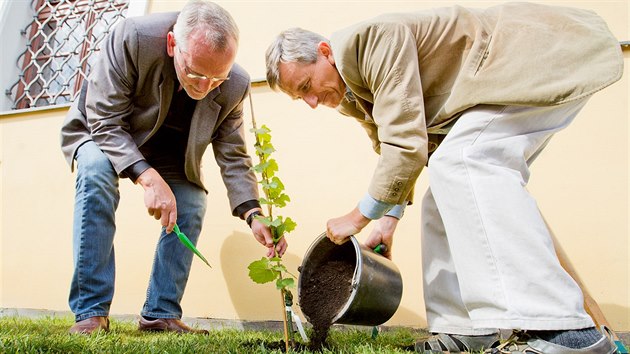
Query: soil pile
[324,294]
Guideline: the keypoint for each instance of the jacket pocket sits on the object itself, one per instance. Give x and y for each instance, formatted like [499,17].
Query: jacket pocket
[482,58]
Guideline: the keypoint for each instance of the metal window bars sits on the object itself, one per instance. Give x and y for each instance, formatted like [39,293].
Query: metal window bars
[61,40]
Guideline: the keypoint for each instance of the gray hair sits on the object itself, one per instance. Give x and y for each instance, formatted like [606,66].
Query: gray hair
[293,45]
[215,21]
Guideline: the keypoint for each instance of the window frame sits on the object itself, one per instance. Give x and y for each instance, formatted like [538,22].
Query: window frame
[14,14]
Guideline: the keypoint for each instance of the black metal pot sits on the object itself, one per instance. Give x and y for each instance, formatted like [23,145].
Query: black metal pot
[376,282]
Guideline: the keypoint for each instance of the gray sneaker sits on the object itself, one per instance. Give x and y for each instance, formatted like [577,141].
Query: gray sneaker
[455,343]
[521,342]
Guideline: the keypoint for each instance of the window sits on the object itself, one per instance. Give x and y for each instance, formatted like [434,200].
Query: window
[60,41]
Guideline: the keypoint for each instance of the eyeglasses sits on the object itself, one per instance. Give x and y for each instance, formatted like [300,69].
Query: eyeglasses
[194,76]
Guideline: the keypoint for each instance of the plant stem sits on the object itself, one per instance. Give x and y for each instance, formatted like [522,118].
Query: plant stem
[265,178]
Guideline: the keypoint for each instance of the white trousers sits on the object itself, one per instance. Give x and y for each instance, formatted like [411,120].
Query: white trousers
[488,257]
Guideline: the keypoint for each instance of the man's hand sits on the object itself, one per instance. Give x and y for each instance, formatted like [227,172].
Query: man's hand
[383,233]
[262,234]
[159,198]
[339,229]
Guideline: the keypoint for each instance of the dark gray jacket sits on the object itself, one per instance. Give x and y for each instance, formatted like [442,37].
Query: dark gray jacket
[127,97]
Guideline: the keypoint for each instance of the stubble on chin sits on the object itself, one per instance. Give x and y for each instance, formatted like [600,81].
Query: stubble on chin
[197,96]
[336,101]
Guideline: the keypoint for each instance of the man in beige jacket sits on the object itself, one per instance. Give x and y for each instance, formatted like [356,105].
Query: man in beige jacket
[481,92]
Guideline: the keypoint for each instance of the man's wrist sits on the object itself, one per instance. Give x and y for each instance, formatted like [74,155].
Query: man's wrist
[148,178]
[251,216]
[134,171]
[244,208]
[373,209]
[397,211]
[359,219]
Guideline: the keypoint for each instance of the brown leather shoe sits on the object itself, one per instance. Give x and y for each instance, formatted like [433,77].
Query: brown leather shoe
[167,325]
[91,325]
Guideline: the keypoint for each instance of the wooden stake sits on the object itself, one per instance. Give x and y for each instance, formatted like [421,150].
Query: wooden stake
[286,327]
[590,305]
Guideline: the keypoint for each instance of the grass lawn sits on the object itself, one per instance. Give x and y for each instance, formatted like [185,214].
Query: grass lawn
[50,335]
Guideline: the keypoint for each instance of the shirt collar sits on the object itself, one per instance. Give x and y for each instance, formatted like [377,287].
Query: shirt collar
[349,95]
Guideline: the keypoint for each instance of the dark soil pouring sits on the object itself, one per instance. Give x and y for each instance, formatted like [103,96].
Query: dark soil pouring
[324,294]
[346,284]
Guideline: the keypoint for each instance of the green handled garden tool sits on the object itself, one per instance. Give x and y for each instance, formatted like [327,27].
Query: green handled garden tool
[186,241]
[380,249]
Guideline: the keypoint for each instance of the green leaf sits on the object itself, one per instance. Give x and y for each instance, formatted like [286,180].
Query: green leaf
[269,185]
[262,134]
[265,149]
[277,222]
[279,268]
[260,272]
[289,225]
[264,138]
[266,167]
[281,200]
[264,219]
[271,167]
[260,131]
[278,182]
[260,167]
[285,283]
[286,226]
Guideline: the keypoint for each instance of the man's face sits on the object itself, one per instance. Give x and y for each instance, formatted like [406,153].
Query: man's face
[316,83]
[200,68]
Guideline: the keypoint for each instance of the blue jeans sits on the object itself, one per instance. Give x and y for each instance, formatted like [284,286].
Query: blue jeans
[96,201]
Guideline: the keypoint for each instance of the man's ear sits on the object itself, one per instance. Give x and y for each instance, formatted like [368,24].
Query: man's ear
[170,44]
[323,48]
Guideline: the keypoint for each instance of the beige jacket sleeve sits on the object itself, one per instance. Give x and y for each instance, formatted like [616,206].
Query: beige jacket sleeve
[388,76]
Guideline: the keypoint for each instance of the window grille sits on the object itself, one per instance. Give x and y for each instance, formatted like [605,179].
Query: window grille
[60,42]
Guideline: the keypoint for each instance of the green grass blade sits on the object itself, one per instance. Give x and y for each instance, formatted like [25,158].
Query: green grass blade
[184,239]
